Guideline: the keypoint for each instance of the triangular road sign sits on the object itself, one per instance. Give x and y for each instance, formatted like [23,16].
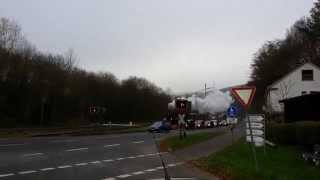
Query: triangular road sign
[244,94]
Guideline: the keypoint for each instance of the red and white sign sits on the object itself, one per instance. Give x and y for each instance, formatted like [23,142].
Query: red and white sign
[244,95]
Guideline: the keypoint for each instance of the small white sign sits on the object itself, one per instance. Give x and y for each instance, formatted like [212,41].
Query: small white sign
[257,132]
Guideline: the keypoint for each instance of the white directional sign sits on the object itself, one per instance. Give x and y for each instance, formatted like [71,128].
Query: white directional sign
[256,129]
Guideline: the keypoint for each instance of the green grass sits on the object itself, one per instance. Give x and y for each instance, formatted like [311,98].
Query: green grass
[174,143]
[236,162]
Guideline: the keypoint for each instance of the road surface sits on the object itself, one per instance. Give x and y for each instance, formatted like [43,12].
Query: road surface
[108,157]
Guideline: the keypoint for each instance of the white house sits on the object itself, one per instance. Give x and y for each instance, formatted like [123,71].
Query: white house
[303,80]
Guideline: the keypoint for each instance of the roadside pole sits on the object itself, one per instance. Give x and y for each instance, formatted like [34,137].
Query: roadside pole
[252,143]
[244,95]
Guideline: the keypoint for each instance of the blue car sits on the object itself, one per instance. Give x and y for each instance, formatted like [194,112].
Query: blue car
[160,126]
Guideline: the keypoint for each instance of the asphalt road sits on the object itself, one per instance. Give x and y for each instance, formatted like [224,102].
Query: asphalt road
[109,157]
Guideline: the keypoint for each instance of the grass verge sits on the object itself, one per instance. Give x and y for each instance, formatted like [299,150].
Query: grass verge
[174,143]
[236,162]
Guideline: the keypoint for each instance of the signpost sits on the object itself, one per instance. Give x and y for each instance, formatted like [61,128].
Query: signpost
[257,129]
[244,95]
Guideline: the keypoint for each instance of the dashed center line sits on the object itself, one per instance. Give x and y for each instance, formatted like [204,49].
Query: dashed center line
[65,166]
[47,169]
[78,149]
[141,172]
[81,164]
[27,172]
[94,162]
[111,145]
[6,175]
[137,142]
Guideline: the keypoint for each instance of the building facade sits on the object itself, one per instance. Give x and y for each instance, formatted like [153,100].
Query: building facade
[303,80]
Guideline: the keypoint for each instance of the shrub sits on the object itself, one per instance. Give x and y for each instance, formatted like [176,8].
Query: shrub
[304,133]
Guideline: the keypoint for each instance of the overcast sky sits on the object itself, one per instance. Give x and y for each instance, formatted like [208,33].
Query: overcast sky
[177,44]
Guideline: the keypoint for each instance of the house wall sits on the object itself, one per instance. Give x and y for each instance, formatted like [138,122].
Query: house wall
[292,86]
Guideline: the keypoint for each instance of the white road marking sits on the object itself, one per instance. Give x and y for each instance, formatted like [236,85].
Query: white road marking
[79,149]
[27,172]
[33,154]
[81,164]
[64,166]
[109,179]
[6,175]
[95,162]
[47,169]
[137,142]
[6,145]
[150,170]
[119,159]
[138,173]
[144,171]
[111,145]
[124,176]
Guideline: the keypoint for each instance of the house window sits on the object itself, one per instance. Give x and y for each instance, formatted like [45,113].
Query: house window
[303,92]
[307,75]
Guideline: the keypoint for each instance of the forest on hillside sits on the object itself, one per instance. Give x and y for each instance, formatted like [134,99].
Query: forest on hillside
[43,89]
[278,57]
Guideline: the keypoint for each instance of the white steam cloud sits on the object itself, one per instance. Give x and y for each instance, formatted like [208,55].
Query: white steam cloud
[215,101]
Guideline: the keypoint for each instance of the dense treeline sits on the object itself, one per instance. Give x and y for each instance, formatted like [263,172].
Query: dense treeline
[278,57]
[46,89]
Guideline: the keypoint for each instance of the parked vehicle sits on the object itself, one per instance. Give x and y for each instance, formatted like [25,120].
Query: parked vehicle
[223,123]
[160,126]
[190,124]
[214,123]
[199,124]
[207,124]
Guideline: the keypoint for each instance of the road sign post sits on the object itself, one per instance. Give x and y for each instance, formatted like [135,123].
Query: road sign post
[244,95]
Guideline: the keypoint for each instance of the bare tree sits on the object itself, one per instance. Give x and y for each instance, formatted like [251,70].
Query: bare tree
[70,60]
[10,33]
[285,88]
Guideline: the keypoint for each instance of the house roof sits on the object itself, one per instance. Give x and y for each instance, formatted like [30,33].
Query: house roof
[294,70]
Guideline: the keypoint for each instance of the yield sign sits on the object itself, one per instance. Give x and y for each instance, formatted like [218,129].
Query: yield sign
[244,95]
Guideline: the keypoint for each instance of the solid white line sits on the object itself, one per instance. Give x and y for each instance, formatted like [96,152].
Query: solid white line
[131,157]
[124,176]
[47,169]
[119,159]
[33,154]
[107,160]
[27,172]
[65,166]
[142,155]
[6,175]
[81,164]
[6,145]
[137,142]
[79,149]
[111,145]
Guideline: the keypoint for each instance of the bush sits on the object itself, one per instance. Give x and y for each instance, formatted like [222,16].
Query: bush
[304,133]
